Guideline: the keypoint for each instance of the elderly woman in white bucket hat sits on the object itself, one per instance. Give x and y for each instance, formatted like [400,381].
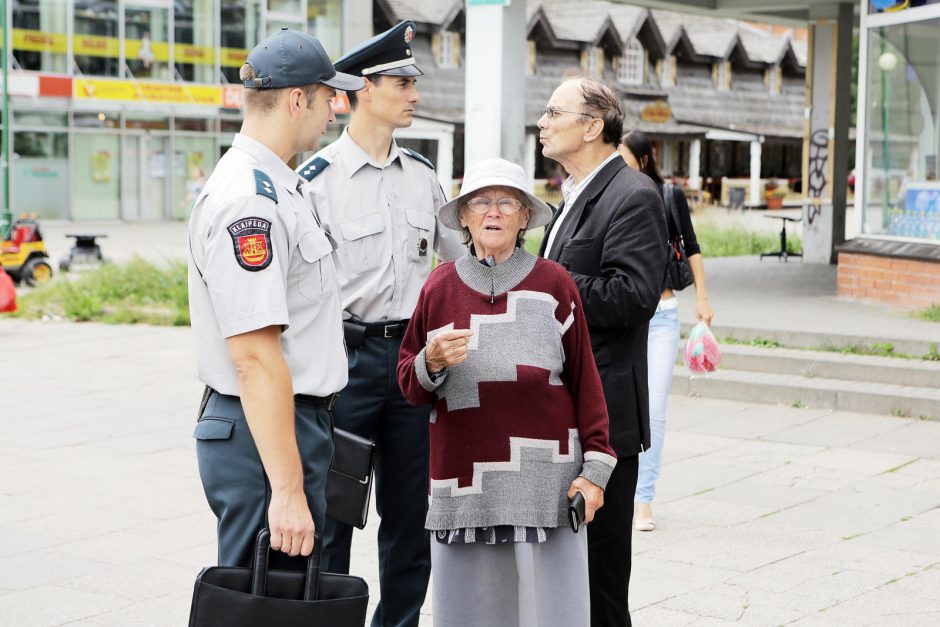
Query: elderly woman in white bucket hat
[499,344]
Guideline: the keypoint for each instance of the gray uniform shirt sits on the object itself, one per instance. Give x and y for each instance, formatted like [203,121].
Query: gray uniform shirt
[258,258]
[384,218]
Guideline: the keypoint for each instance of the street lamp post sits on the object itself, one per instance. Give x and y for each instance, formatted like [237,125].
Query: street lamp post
[6,213]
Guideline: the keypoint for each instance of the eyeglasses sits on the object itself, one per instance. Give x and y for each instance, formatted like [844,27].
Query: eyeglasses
[482,204]
[552,112]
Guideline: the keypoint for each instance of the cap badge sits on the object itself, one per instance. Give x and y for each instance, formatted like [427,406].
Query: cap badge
[409,34]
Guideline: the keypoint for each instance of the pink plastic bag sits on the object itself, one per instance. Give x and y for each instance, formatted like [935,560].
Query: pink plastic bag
[7,293]
[702,353]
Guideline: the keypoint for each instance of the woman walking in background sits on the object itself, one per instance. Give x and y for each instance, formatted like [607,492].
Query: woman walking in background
[663,342]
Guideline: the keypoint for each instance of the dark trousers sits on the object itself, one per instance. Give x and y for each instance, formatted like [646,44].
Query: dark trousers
[372,406]
[609,547]
[234,480]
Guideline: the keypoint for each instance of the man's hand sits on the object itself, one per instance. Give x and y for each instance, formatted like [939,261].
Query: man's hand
[593,496]
[447,348]
[290,523]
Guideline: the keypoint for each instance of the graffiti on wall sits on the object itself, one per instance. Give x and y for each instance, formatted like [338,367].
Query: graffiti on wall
[818,160]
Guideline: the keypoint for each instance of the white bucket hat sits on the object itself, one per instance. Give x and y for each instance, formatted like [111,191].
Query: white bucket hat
[492,173]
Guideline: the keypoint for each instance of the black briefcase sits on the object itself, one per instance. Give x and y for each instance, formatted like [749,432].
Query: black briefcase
[349,483]
[251,597]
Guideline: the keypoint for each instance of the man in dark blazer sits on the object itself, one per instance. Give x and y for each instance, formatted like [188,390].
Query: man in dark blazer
[610,234]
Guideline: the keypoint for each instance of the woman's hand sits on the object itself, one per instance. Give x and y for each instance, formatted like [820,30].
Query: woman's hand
[593,496]
[704,311]
[447,348]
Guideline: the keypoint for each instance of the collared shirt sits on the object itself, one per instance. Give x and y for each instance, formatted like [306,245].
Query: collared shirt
[570,192]
[254,263]
[384,218]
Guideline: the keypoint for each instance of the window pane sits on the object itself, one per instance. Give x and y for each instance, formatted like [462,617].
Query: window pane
[241,21]
[324,21]
[195,40]
[95,43]
[145,46]
[192,164]
[41,171]
[902,193]
[97,185]
[97,120]
[39,35]
[40,118]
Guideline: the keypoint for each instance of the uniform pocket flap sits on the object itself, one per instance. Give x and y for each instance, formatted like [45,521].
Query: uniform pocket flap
[212,428]
[314,246]
[420,219]
[369,224]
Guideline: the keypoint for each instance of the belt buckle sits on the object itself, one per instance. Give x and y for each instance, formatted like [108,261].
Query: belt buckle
[387,330]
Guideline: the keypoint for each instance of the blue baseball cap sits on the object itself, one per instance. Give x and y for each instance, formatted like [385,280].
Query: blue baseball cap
[289,58]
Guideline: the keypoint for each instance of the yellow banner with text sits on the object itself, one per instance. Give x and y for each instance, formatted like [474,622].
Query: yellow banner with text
[166,93]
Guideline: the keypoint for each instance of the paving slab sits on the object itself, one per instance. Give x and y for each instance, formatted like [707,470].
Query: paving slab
[750,522]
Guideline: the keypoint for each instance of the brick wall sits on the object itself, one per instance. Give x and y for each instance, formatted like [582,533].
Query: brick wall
[907,283]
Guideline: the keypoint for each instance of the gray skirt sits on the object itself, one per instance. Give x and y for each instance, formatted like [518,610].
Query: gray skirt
[512,584]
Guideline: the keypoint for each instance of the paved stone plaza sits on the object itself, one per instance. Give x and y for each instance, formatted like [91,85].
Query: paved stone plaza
[767,515]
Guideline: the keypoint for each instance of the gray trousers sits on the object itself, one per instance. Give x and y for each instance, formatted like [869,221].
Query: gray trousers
[512,584]
[234,480]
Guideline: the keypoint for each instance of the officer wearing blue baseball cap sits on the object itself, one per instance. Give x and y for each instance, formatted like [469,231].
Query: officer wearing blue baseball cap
[262,291]
[380,201]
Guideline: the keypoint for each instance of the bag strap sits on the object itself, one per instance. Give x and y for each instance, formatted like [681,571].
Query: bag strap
[259,575]
[669,197]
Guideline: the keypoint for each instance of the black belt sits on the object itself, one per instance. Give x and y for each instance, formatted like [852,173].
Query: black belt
[329,402]
[382,329]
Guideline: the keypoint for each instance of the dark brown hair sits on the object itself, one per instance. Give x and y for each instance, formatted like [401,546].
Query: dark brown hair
[641,147]
[351,95]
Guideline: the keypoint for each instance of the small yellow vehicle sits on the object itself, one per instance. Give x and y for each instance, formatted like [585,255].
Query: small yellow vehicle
[23,252]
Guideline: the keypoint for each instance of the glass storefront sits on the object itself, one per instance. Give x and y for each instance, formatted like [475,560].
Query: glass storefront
[40,35]
[146,43]
[95,40]
[902,193]
[122,109]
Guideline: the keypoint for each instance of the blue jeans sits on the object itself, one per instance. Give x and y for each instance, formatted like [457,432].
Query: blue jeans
[663,347]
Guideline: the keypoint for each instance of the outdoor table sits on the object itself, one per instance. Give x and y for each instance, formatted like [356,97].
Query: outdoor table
[86,251]
[784,218]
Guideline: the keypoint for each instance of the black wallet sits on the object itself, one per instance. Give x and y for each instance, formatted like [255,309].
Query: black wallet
[349,483]
[576,511]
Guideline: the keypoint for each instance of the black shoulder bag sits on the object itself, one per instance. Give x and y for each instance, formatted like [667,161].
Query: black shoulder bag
[678,270]
[228,596]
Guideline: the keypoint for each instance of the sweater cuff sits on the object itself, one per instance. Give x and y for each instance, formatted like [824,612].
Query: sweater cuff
[421,370]
[598,467]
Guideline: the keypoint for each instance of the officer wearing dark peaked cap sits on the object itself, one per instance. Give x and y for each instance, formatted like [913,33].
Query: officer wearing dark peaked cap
[380,202]
[262,289]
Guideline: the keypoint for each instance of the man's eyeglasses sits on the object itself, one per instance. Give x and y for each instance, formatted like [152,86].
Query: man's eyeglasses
[507,206]
[552,112]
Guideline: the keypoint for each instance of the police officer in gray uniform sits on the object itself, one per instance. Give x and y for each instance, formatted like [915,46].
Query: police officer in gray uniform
[263,295]
[380,202]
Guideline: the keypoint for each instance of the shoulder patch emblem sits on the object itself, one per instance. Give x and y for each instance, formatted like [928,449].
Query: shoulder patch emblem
[417,155]
[264,186]
[313,168]
[251,238]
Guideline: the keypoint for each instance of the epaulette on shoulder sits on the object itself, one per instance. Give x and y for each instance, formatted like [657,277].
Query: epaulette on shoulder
[311,169]
[264,186]
[417,155]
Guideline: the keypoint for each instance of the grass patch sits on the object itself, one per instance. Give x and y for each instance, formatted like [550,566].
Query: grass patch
[799,405]
[136,292]
[714,241]
[737,241]
[932,313]
[757,341]
[852,537]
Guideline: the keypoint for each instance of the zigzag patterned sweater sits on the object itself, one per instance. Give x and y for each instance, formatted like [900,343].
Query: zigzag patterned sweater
[524,415]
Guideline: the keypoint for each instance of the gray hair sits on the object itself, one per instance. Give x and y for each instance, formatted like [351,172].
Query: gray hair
[520,237]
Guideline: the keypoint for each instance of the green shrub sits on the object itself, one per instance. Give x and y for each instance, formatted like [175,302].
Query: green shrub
[134,292]
[736,241]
